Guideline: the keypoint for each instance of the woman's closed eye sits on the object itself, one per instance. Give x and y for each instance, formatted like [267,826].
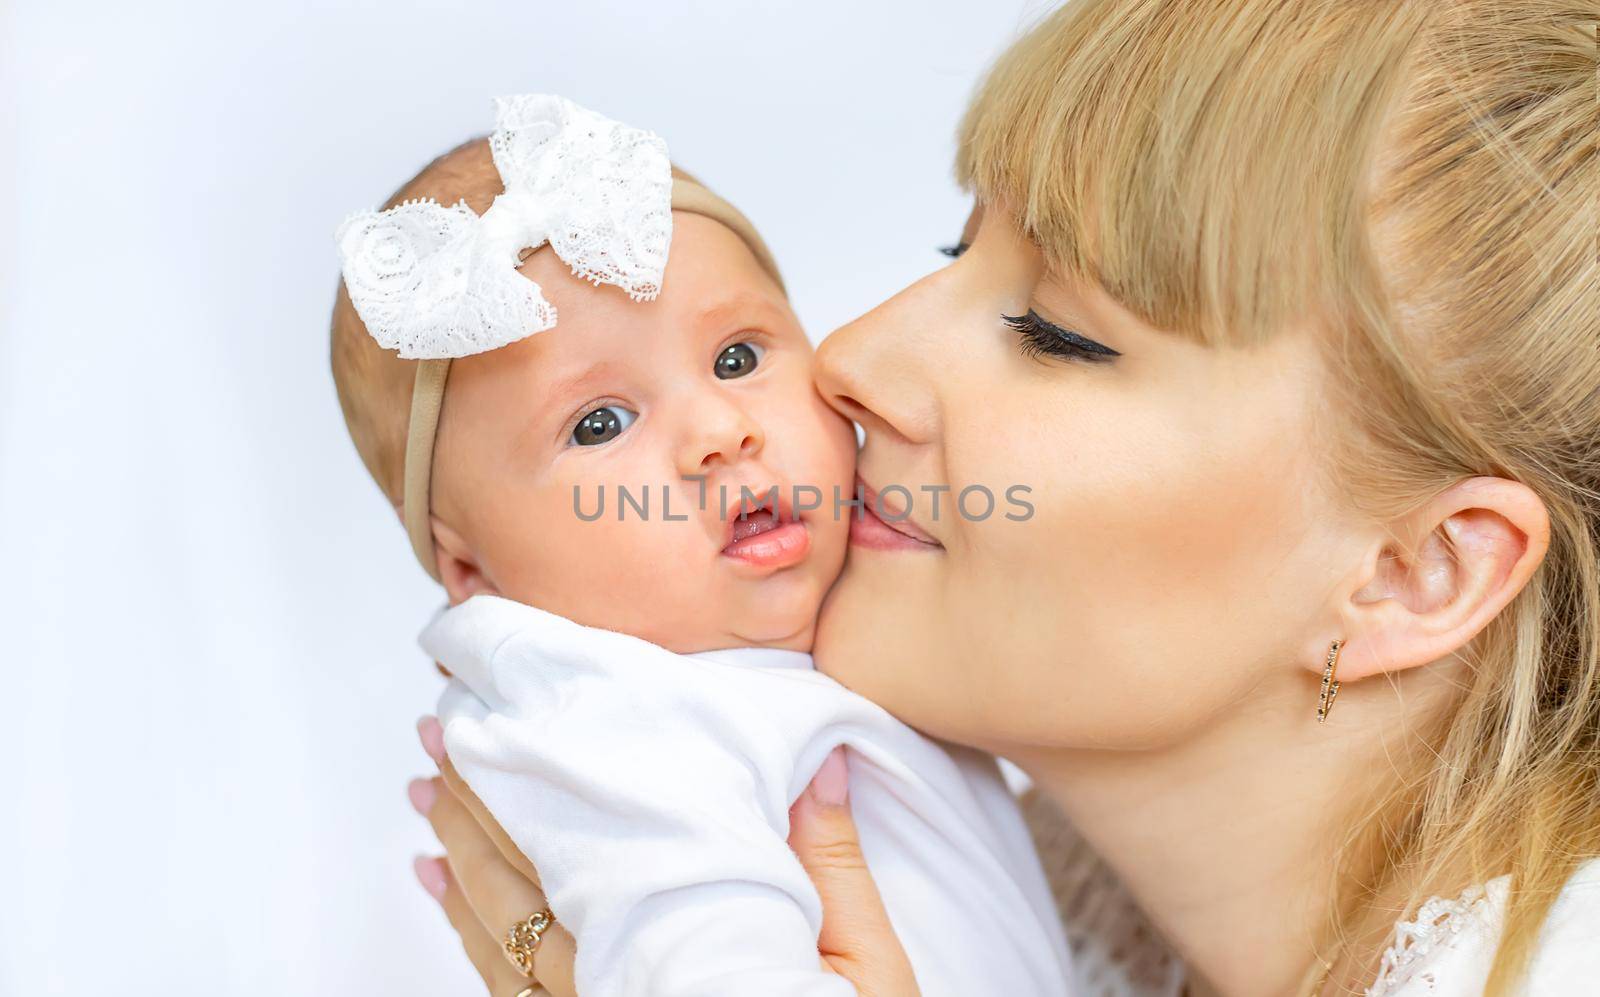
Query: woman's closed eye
[1042,338]
[601,425]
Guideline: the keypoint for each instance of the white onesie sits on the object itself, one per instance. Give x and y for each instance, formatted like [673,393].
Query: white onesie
[651,790]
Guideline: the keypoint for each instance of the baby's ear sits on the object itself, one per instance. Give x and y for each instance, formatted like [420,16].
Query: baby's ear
[459,570]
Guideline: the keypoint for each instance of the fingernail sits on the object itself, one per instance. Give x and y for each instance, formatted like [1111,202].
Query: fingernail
[423,794]
[831,785]
[431,874]
[432,736]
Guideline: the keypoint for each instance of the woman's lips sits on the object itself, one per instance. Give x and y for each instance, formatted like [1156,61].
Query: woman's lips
[869,530]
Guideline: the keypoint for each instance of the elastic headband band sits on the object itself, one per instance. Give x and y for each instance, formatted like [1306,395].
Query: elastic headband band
[427,390]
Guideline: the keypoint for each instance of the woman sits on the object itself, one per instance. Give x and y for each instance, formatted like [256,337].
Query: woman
[1287,316]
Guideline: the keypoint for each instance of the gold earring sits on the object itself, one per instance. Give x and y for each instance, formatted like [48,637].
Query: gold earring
[1330,684]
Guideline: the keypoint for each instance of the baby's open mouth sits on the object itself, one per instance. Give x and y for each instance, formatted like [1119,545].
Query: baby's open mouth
[767,534]
[757,523]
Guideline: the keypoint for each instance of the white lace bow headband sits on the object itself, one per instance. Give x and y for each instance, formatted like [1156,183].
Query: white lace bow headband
[437,283]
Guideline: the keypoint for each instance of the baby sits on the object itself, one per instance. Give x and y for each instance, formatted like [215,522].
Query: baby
[636,515]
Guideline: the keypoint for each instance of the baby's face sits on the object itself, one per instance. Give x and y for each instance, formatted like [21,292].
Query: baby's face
[712,381]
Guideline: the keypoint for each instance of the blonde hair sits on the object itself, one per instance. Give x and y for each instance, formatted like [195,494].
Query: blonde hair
[1422,181]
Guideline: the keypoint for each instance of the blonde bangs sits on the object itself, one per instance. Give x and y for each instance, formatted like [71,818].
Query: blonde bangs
[1205,162]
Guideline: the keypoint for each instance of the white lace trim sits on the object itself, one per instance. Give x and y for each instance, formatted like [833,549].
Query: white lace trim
[1417,941]
[434,282]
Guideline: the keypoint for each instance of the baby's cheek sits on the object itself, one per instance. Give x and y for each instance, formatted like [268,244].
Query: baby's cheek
[643,576]
[833,524]
[837,442]
[831,453]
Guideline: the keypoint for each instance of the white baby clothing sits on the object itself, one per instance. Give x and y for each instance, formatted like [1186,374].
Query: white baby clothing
[651,790]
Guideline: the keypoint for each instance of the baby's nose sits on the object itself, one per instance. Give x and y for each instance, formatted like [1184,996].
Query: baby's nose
[720,434]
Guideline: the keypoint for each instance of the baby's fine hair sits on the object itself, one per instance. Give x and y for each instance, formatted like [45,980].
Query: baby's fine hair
[374,384]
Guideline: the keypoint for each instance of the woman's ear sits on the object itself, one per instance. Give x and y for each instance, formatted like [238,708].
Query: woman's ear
[460,571]
[1449,568]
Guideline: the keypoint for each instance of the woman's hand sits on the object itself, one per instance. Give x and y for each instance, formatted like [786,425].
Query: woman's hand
[857,941]
[484,883]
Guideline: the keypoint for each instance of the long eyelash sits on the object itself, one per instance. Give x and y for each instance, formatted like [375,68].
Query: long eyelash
[954,251]
[1043,338]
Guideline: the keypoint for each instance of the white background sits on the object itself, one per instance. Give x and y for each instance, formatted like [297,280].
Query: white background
[208,610]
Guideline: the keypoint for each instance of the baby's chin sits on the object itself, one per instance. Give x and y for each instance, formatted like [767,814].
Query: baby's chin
[779,612]
[793,634]
[787,621]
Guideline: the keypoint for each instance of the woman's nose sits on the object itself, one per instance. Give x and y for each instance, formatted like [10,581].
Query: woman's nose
[874,370]
[719,431]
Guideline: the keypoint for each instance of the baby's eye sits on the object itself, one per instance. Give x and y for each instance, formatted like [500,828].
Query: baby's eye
[738,360]
[602,425]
